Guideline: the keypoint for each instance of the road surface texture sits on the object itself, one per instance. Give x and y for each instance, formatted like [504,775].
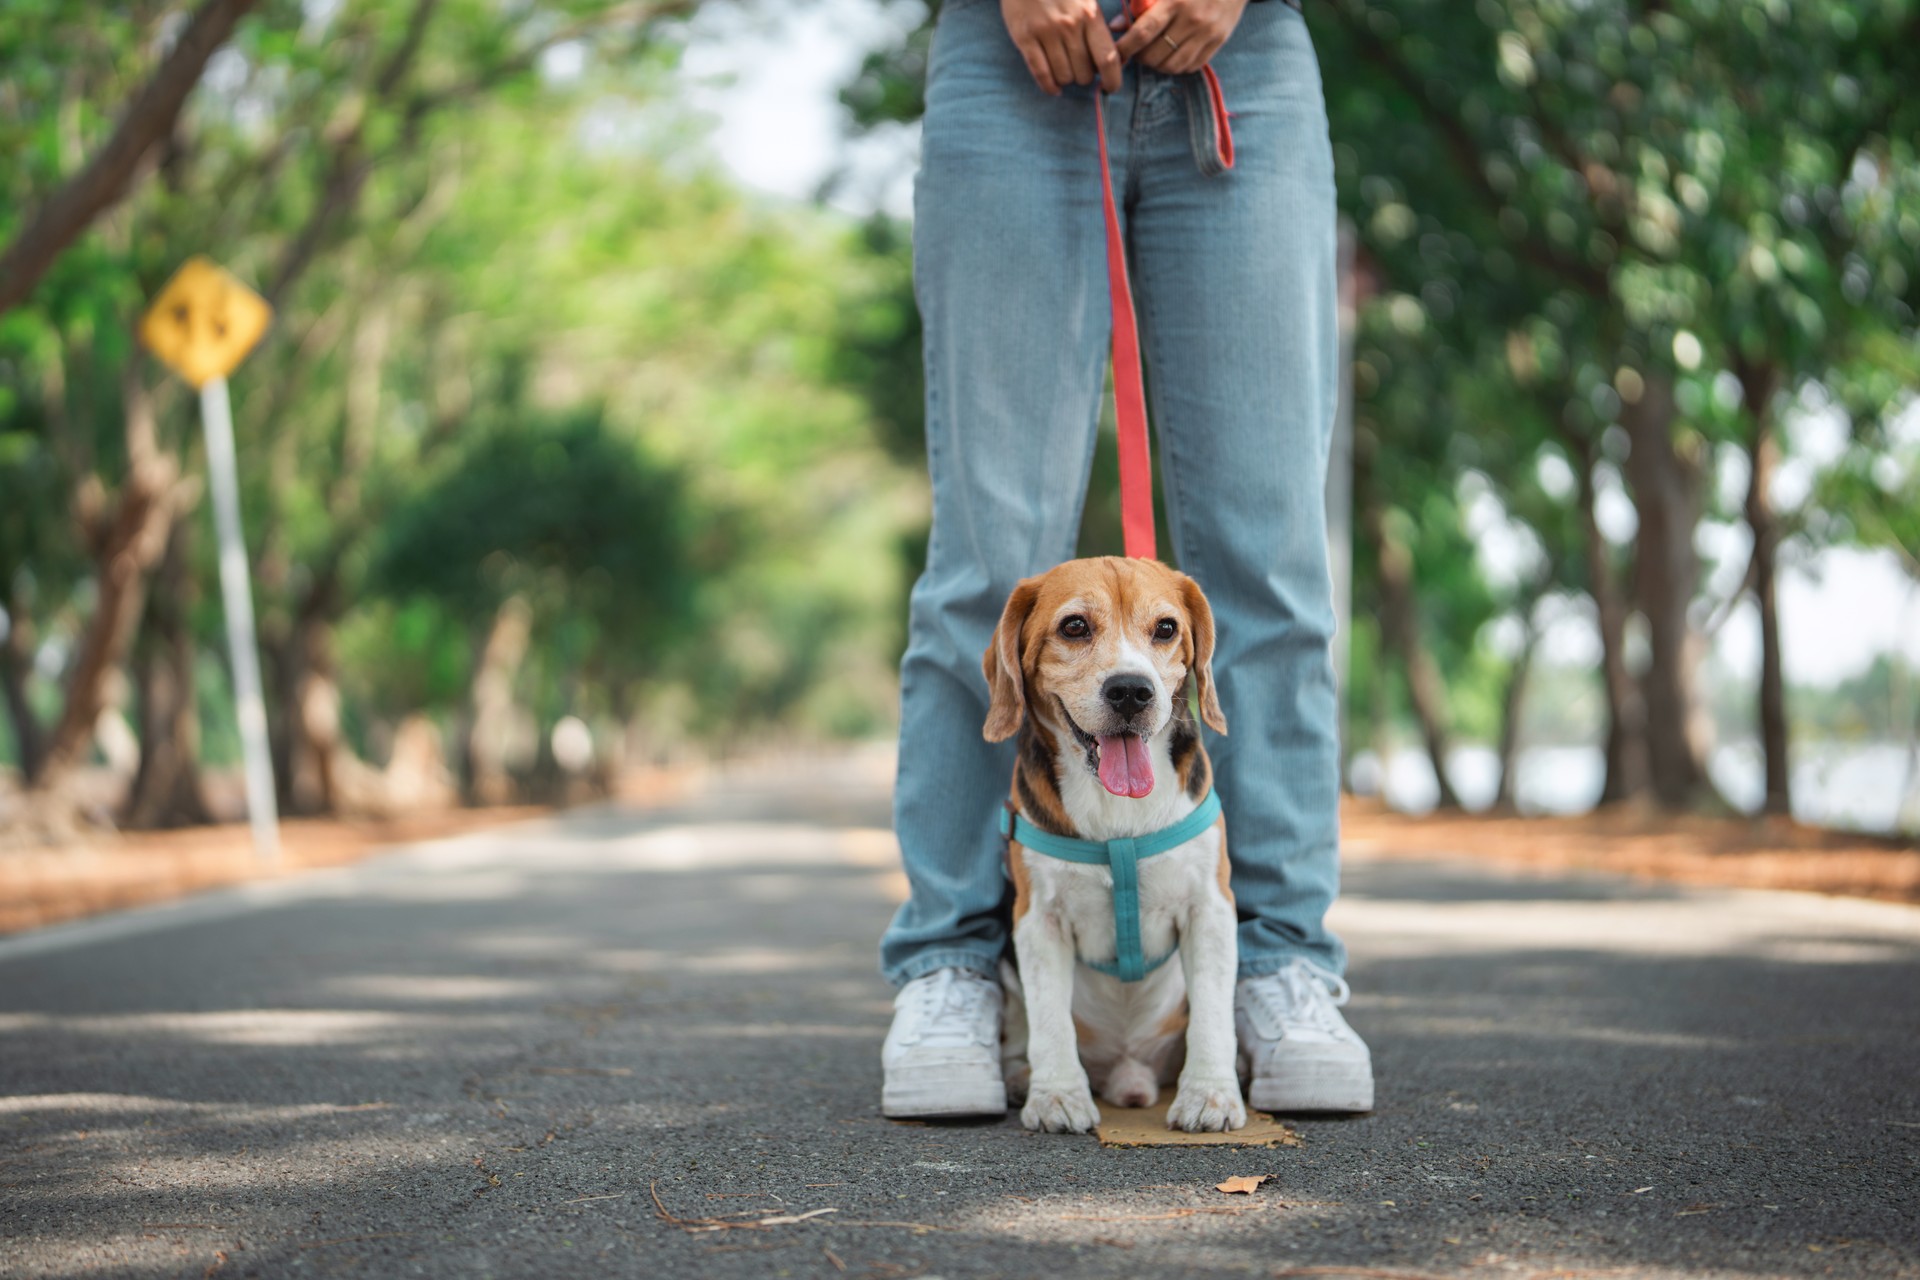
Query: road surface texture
[478,1058]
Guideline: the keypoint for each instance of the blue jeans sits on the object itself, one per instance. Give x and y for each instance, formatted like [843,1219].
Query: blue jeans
[1233,276]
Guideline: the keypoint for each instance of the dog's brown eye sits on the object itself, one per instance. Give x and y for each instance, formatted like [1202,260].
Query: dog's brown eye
[1074,627]
[1165,629]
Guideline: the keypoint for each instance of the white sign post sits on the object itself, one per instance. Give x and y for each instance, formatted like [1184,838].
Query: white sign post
[203,324]
[236,595]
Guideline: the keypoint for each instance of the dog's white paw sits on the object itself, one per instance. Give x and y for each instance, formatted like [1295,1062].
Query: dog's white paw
[1060,1109]
[1207,1106]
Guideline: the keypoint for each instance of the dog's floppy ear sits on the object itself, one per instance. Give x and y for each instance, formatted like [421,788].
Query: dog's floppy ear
[1006,682]
[1200,633]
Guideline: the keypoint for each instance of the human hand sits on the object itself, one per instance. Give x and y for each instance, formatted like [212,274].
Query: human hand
[1177,37]
[1064,42]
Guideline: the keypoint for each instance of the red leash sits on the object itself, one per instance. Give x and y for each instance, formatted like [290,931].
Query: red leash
[1129,392]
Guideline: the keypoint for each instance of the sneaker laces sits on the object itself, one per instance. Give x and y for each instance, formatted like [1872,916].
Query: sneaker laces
[1303,993]
[947,1008]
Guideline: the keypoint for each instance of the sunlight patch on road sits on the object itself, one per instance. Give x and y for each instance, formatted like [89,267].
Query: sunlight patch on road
[275,1028]
[1776,927]
[1197,1217]
[137,1104]
[732,960]
[772,1031]
[426,988]
[1481,1030]
[711,846]
[468,886]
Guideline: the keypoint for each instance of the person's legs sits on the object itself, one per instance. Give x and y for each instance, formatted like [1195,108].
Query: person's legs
[1009,273]
[1234,277]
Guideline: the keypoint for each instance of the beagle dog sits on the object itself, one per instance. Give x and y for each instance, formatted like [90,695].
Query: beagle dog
[1115,849]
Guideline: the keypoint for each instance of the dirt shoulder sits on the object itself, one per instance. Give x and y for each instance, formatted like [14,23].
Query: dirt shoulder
[46,886]
[43,886]
[1744,853]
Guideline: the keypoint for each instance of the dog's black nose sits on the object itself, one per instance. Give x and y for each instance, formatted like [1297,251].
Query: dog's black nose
[1128,695]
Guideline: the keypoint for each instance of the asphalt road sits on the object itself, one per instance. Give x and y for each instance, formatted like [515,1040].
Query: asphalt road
[475,1058]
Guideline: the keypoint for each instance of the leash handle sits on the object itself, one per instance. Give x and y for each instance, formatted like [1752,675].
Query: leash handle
[1129,389]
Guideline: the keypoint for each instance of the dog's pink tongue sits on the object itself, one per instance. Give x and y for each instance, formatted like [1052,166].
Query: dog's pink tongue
[1125,767]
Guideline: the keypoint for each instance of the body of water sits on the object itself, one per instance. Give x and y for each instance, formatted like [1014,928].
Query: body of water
[1855,785]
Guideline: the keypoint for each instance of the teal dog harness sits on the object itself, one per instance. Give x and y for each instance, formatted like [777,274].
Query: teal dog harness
[1123,856]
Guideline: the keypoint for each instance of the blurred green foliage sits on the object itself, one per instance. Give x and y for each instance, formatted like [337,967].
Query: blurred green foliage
[529,345]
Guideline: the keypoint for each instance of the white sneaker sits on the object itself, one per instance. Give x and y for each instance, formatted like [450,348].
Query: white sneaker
[1302,1054]
[942,1056]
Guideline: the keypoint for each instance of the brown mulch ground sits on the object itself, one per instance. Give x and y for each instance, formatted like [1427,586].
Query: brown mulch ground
[46,886]
[1745,853]
[42,886]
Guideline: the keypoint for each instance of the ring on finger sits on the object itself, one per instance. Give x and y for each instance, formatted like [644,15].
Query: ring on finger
[1171,42]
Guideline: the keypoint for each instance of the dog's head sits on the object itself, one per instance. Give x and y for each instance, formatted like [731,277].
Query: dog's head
[1101,649]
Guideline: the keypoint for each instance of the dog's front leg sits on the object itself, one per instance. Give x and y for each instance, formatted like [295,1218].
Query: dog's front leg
[1058,1097]
[1013,1034]
[1209,1095]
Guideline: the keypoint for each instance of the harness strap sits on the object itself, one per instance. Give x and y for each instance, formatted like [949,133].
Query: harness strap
[1122,857]
[1129,391]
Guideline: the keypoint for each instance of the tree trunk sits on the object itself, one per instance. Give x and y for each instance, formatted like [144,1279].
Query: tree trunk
[1505,800]
[610,755]
[1626,746]
[1668,481]
[489,745]
[1907,813]
[126,544]
[306,732]
[1758,383]
[314,715]
[16,664]
[1400,628]
[280,673]
[166,790]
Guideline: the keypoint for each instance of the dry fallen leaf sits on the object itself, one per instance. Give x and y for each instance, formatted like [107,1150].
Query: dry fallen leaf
[1187,1212]
[1246,1182]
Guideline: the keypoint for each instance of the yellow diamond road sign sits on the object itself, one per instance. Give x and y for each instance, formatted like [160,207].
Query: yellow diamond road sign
[204,322]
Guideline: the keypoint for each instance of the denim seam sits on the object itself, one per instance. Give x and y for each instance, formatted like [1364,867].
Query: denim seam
[1130,184]
[928,961]
[1203,134]
[936,422]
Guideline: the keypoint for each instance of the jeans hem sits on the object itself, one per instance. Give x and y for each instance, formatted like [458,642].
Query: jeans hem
[1261,966]
[987,966]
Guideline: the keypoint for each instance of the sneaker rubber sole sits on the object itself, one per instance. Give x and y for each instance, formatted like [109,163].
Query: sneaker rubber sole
[1315,1078]
[936,1094]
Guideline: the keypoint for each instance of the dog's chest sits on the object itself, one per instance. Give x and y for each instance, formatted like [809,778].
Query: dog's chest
[1080,897]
